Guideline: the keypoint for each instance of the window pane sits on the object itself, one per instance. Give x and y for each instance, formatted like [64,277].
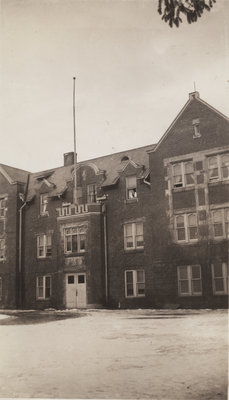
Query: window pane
[47,292]
[140,276]
[131,182]
[40,292]
[139,229]
[196,286]
[69,243]
[195,271]
[184,287]
[132,193]
[140,288]
[180,221]
[74,242]
[139,241]
[40,281]
[189,179]
[71,279]
[188,168]
[225,172]
[183,272]
[129,242]
[192,220]
[49,240]
[225,159]
[193,233]
[81,278]
[181,234]
[213,173]
[218,229]
[177,169]
[219,287]
[128,228]
[212,162]
[217,216]
[41,240]
[129,277]
[130,290]
[218,270]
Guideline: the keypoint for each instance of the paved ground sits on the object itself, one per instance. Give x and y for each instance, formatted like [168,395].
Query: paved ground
[140,354]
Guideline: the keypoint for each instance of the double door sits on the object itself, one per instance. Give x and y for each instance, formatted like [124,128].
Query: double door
[76,295]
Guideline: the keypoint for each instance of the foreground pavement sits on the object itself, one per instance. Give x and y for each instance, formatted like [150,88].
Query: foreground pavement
[137,354]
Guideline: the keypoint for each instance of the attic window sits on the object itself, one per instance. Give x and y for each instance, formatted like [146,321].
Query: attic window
[196,128]
[124,158]
[44,176]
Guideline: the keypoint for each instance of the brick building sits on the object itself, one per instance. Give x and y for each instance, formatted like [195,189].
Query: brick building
[150,227]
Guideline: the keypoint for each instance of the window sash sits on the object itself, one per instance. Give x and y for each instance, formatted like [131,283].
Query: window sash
[91,193]
[43,204]
[44,287]
[183,174]
[133,236]
[131,187]
[2,249]
[186,226]
[189,280]
[44,246]
[2,207]
[218,167]
[135,283]
[220,223]
[220,278]
[74,242]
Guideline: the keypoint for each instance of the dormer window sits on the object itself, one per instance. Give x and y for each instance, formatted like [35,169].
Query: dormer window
[124,158]
[131,187]
[196,128]
[43,204]
[91,193]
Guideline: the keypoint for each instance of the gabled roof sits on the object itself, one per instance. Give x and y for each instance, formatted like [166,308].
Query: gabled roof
[194,96]
[109,165]
[14,175]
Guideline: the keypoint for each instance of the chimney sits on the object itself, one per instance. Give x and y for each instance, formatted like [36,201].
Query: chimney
[68,158]
[194,95]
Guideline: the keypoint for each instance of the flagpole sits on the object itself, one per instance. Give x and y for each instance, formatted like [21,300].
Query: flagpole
[74,129]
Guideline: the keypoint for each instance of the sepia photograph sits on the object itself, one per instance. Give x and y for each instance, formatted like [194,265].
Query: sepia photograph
[114,199]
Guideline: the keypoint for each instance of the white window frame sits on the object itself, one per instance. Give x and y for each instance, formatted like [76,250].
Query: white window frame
[131,189]
[2,249]
[91,193]
[190,279]
[78,233]
[135,283]
[2,207]
[186,228]
[47,245]
[43,204]
[183,174]
[0,288]
[219,177]
[224,277]
[44,287]
[225,223]
[133,235]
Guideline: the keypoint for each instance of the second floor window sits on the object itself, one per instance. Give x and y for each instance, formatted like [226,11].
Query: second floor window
[135,283]
[186,227]
[133,236]
[189,280]
[220,278]
[218,167]
[2,249]
[183,174]
[91,193]
[74,240]
[220,219]
[43,204]
[44,246]
[131,187]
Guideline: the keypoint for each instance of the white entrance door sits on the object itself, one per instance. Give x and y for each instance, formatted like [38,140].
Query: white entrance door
[76,291]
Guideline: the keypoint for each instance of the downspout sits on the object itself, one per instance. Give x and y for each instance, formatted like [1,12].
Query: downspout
[105,251]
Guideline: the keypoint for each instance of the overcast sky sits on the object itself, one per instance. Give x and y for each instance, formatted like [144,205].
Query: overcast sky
[133,73]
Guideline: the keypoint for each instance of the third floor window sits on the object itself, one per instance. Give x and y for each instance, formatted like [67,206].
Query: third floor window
[131,187]
[133,236]
[218,167]
[183,174]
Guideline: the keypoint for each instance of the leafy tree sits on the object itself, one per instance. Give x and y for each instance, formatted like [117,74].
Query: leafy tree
[171,10]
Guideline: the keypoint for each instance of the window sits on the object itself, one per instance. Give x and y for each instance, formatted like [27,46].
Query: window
[2,207]
[196,128]
[189,280]
[131,187]
[183,174]
[0,289]
[43,204]
[91,193]
[220,219]
[135,283]
[2,249]
[74,240]
[220,278]
[218,167]
[44,246]
[133,236]
[186,227]
[43,287]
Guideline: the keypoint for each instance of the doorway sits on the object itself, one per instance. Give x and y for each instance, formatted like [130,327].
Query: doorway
[76,296]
